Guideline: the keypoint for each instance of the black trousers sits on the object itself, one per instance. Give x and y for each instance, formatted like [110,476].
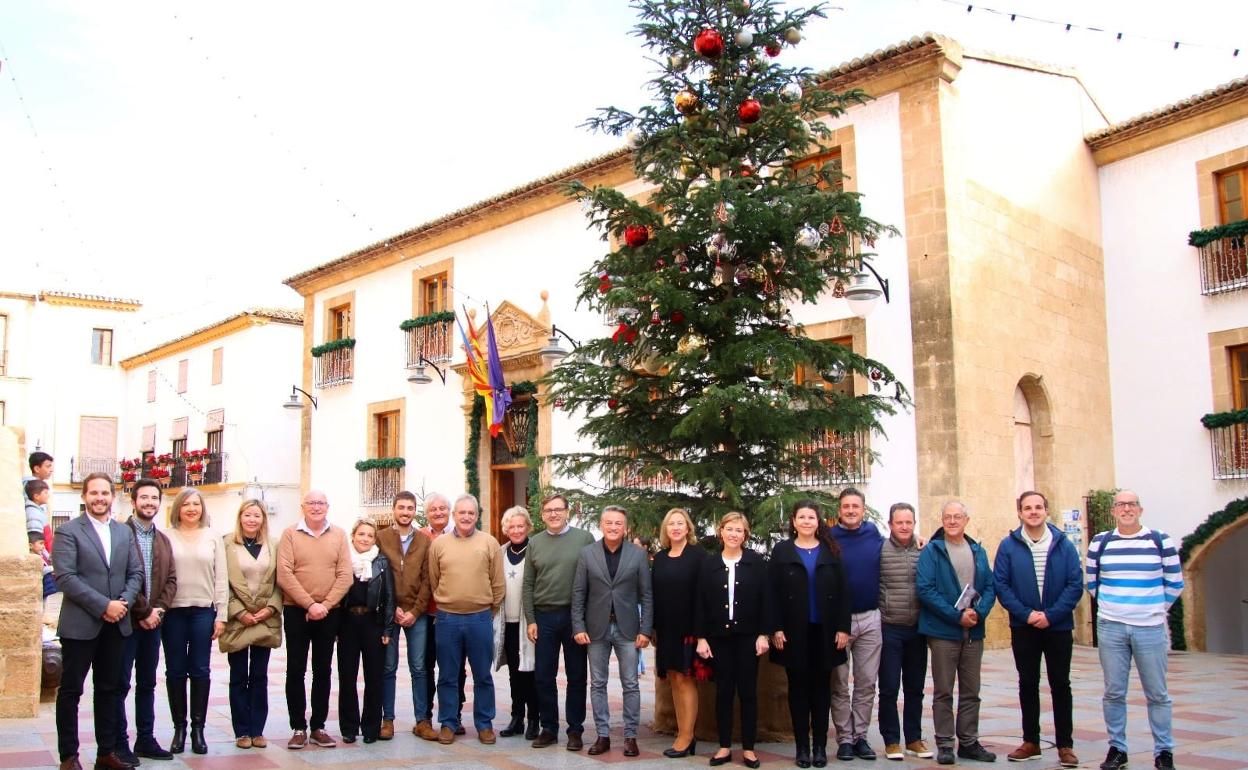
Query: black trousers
[1029,645]
[736,676]
[359,637]
[99,655]
[810,696]
[319,635]
[523,688]
[431,665]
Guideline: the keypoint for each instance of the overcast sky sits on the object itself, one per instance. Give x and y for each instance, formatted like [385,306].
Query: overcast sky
[193,155]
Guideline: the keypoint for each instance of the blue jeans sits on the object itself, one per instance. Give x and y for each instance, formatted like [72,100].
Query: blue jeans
[626,651]
[187,638]
[554,631]
[249,690]
[1149,645]
[140,653]
[468,636]
[903,666]
[416,636]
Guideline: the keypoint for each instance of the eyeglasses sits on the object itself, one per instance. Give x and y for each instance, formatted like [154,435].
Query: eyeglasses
[1126,504]
[554,510]
[952,516]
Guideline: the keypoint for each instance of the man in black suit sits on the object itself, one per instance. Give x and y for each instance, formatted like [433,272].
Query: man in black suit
[97,568]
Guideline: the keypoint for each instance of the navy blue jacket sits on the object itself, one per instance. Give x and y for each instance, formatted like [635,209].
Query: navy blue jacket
[939,589]
[860,552]
[1015,576]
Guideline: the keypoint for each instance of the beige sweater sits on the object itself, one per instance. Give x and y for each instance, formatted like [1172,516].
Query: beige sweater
[466,573]
[199,561]
[313,569]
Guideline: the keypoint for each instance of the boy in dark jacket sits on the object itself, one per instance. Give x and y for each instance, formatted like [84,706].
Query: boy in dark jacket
[1038,580]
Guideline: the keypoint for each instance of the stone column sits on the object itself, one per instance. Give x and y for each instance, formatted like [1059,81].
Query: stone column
[21,594]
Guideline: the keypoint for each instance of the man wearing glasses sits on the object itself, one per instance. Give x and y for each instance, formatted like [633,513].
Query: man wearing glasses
[956,593]
[1135,575]
[547,597]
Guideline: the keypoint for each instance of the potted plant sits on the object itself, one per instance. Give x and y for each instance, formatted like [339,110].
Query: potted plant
[194,472]
[161,475]
[128,478]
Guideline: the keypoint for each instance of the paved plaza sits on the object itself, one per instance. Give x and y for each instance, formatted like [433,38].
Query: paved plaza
[1210,695]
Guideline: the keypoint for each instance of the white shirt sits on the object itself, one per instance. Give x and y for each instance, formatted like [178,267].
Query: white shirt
[106,536]
[302,526]
[732,584]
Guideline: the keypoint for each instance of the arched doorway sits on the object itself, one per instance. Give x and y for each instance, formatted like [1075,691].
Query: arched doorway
[1033,436]
[1215,603]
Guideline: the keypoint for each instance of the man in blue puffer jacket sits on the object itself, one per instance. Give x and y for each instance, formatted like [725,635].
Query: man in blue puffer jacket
[1041,621]
[956,593]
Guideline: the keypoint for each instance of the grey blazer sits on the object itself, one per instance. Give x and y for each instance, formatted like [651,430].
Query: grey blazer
[595,595]
[88,581]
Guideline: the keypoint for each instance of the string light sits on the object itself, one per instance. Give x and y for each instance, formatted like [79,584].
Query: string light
[1071,25]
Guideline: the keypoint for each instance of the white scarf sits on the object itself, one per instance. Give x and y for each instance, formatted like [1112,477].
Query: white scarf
[362,563]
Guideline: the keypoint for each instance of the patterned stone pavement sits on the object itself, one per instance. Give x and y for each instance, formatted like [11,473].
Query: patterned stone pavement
[1210,693]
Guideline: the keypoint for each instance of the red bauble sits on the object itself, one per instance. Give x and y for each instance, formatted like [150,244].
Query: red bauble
[749,111]
[772,49]
[709,43]
[746,170]
[604,286]
[678,317]
[636,235]
[612,403]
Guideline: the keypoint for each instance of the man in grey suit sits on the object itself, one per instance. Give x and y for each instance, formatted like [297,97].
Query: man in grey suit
[96,565]
[613,609]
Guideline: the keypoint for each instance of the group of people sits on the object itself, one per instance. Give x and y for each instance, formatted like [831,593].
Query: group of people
[840,607]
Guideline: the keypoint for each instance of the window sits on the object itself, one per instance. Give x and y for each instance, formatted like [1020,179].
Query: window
[339,322]
[386,443]
[183,367]
[1239,375]
[148,444]
[215,440]
[97,446]
[806,375]
[1231,189]
[102,347]
[4,344]
[817,162]
[151,386]
[218,356]
[434,294]
[2,420]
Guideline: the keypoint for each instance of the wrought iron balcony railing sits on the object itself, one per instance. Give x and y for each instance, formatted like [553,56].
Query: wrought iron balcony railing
[378,486]
[1223,265]
[335,367]
[81,467]
[832,459]
[432,341]
[1229,447]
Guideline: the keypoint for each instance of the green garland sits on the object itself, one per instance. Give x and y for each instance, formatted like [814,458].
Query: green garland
[380,462]
[427,320]
[1225,419]
[526,388]
[1233,511]
[1200,238]
[332,345]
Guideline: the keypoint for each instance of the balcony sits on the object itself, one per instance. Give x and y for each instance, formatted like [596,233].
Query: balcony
[184,473]
[1223,257]
[429,338]
[832,459]
[335,363]
[1229,447]
[81,467]
[379,485]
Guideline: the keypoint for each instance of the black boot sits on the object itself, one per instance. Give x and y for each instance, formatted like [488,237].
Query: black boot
[177,710]
[514,727]
[533,729]
[199,714]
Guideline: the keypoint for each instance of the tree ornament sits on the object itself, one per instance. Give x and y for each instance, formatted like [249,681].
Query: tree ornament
[772,49]
[836,226]
[677,317]
[745,170]
[742,274]
[655,318]
[723,210]
[741,8]
[636,235]
[690,343]
[808,238]
[624,333]
[634,138]
[744,38]
[681,260]
[717,275]
[838,289]
[834,374]
[676,62]
[749,111]
[875,374]
[792,36]
[758,274]
[604,283]
[612,403]
[709,43]
[791,92]
[687,102]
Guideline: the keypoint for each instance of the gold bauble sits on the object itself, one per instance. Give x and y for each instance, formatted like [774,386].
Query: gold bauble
[687,102]
[690,342]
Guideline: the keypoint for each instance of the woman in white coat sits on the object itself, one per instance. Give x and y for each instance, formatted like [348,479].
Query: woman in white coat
[511,645]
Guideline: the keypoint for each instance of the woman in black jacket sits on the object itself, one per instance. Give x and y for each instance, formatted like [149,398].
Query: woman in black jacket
[810,602]
[366,627]
[732,632]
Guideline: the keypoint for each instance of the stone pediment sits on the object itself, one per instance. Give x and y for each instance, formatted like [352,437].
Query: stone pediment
[519,334]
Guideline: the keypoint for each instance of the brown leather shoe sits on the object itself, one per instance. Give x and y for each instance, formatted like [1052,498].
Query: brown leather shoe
[1066,757]
[486,736]
[387,729]
[544,738]
[1026,751]
[424,729]
[446,736]
[244,742]
[630,747]
[322,739]
[298,740]
[258,742]
[601,746]
[70,763]
[574,742]
[111,761]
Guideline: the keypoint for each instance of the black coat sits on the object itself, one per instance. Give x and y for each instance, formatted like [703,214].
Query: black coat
[789,606]
[749,598]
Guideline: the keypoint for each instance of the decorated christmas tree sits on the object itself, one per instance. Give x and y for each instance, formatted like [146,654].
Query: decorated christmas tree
[696,398]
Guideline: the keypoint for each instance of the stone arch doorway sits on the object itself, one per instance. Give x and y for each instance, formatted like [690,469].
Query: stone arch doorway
[1215,603]
[1033,436]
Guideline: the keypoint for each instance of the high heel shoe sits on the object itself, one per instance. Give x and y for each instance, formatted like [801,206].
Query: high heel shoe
[688,751]
[717,761]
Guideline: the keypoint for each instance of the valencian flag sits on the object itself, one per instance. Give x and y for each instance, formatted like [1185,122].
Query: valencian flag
[486,371]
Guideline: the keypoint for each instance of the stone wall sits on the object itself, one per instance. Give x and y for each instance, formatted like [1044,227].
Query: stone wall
[20,593]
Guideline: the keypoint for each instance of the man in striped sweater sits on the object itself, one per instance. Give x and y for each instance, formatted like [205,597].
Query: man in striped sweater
[1135,575]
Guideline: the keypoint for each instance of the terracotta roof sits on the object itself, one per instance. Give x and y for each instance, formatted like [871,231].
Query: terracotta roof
[73,295]
[1192,105]
[279,314]
[913,44]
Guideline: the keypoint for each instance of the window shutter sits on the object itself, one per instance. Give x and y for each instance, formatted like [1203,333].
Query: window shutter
[151,386]
[218,354]
[97,437]
[216,421]
[149,439]
[182,367]
[179,429]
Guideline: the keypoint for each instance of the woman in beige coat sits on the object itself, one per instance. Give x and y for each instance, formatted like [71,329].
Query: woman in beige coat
[254,627]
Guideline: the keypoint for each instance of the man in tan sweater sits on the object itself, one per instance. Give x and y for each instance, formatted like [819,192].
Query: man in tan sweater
[466,576]
[314,573]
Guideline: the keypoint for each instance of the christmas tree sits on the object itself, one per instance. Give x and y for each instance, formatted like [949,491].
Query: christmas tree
[694,399]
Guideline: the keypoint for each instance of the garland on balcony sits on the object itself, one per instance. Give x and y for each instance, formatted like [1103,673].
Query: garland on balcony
[332,345]
[389,463]
[427,320]
[1225,419]
[1200,238]
[471,473]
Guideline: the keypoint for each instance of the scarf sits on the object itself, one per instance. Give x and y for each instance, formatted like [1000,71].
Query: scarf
[362,563]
